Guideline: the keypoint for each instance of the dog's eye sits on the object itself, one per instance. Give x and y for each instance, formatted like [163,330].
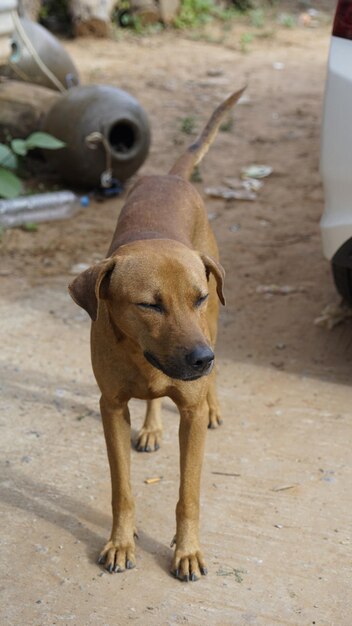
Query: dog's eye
[151,306]
[201,300]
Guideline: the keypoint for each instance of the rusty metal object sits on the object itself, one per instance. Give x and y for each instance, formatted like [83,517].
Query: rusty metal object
[38,57]
[101,117]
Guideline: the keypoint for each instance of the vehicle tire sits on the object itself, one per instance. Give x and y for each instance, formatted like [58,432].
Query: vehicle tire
[343,281]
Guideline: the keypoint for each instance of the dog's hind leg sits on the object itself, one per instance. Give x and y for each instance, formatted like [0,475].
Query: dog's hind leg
[215,418]
[149,437]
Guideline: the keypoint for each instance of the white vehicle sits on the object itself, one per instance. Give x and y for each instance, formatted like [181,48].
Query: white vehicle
[336,152]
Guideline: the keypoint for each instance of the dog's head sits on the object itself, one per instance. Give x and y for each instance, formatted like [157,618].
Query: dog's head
[156,293]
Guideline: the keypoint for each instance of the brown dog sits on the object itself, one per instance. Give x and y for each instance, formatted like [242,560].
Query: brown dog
[154,307]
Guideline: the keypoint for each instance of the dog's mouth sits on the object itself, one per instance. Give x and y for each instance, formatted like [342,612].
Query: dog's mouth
[178,372]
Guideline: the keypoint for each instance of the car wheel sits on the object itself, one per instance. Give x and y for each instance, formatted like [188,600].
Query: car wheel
[343,281]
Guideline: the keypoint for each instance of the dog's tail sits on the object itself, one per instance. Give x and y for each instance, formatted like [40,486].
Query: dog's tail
[196,151]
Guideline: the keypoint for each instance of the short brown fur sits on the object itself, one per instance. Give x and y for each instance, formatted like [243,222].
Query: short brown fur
[154,306]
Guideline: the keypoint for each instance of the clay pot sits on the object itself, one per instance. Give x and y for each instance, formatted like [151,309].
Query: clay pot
[38,57]
[112,113]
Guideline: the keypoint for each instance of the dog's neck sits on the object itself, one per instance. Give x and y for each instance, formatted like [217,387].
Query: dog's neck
[130,236]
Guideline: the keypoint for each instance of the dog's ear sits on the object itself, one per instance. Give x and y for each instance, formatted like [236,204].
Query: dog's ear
[213,267]
[92,285]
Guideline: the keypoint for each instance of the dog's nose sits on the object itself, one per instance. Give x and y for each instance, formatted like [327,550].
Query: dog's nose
[200,358]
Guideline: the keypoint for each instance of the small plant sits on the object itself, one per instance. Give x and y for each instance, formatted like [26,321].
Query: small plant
[225,13]
[11,155]
[30,227]
[128,20]
[286,20]
[245,40]
[188,125]
[193,13]
[226,126]
[243,5]
[56,16]
[196,176]
[257,18]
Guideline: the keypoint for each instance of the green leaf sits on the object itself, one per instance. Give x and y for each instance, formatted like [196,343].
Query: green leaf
[7,157]
[30,227]
[19,146]
[43,140]
[10,185]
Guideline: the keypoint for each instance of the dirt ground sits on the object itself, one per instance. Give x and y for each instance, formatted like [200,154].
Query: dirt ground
[276,497]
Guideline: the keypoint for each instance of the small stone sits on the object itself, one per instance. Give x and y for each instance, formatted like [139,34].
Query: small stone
[215,71]
[78,268]
[26,459]
[234,228]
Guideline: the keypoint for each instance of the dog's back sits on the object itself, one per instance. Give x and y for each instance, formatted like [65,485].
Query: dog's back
[176,210]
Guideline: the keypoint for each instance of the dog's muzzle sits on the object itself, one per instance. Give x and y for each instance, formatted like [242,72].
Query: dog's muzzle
[192,365]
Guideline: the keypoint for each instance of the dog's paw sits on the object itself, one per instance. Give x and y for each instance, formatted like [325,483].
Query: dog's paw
[116,557]
[188,567]
[148,440]
[215,418]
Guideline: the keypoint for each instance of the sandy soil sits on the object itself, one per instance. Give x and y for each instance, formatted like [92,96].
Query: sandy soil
[276,496]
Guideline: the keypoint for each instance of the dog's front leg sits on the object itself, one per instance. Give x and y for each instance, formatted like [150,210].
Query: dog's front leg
[119,552]
[188,561]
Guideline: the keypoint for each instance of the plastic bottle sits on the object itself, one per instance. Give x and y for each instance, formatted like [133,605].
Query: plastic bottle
[44,207]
